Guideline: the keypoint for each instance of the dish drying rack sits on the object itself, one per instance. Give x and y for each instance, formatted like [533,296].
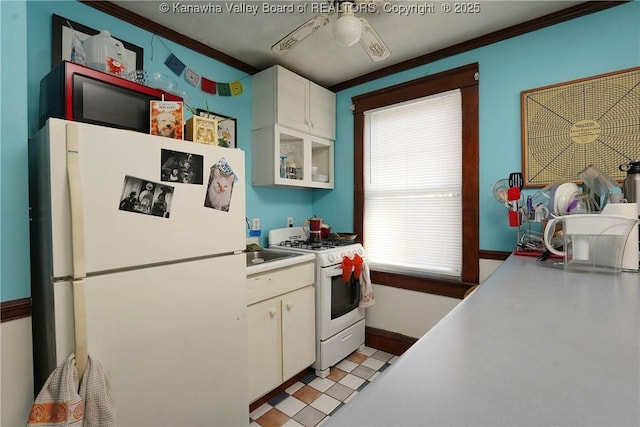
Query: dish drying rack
[531,213]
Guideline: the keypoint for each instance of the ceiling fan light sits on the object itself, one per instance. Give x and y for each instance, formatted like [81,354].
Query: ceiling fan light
[347,30]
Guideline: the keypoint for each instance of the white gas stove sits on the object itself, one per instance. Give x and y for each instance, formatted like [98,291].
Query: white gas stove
[340,327]
[328,252]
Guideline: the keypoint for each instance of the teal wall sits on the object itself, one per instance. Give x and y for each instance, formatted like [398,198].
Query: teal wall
[583,47]
[14,214]
[599,43]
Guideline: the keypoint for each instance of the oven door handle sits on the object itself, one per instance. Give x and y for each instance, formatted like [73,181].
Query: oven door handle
[335,270]
[354,286]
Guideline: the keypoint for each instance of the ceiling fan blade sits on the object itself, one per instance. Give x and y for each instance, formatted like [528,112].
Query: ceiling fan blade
[292,39]
[372,43]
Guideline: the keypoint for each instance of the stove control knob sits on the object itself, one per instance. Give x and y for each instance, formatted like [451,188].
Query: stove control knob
[330,257]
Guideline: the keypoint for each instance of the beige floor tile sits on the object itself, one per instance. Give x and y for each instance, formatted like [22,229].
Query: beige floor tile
[363,372]
[382,355]
[291,406]
[339,391]
[309,416]
[325,404]
[321,384]
[352,381]
[373,363]
[346,365]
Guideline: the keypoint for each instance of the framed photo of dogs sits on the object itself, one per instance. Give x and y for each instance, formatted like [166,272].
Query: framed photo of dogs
[167,119]
[227,128]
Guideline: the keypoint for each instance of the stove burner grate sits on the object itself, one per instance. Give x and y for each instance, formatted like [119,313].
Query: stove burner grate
[315,246]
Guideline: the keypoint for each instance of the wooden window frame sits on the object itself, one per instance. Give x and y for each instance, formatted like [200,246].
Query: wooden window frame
[464,78]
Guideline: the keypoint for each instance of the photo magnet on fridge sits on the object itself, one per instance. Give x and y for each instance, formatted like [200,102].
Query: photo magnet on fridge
[221,181]
[185,168]
[167,119]
[146,197]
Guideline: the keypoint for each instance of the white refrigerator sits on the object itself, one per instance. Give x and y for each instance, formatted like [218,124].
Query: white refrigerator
[162,229]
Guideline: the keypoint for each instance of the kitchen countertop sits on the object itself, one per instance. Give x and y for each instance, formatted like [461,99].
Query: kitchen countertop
[533,345]
[280,263]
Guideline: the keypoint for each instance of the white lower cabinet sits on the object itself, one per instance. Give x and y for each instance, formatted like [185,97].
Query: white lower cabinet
[281,332]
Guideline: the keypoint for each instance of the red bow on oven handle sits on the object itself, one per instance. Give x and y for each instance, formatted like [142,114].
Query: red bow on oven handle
[351,265]
[347,268]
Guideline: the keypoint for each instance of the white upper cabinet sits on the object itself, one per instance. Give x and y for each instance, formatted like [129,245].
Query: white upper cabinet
[286,157]
[293,130]
[282,97]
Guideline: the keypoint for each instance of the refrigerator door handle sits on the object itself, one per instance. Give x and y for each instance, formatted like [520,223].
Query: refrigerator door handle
[77,250]
[75,196]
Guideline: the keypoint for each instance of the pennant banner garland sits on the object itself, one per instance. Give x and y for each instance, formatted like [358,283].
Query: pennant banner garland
[223,89]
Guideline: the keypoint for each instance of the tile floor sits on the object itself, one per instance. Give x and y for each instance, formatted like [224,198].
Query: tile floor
[312,400]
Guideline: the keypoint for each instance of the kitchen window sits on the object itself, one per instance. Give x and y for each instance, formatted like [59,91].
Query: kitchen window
[416,181]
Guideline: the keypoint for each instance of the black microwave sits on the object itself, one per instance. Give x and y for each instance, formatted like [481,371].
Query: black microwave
[75,92]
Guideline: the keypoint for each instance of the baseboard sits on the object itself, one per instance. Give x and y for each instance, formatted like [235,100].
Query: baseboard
[15,309]
[497,255]
[391,342]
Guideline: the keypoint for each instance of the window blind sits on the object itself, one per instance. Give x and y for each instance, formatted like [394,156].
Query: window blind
[413,182]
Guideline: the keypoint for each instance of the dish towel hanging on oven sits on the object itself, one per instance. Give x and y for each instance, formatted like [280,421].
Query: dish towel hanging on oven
[366,290]
[360,270]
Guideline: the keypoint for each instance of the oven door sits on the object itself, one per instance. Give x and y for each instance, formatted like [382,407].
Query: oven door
[338,302]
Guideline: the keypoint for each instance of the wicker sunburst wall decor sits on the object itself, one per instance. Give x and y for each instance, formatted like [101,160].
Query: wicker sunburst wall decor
[568,126]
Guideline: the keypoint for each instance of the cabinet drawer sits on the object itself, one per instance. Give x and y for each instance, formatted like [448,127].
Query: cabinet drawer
[277,282]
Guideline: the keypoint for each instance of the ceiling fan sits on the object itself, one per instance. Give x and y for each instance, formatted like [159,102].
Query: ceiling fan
[347,29]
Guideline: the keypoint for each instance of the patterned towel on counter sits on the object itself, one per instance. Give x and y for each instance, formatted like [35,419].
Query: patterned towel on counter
[60,405]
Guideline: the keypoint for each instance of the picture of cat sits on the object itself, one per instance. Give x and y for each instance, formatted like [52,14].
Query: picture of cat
[220,187]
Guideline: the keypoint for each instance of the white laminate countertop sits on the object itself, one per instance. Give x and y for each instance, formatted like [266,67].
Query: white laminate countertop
[280,263]
[532,346]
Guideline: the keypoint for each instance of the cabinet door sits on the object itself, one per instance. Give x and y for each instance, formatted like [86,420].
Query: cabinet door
[293,100]
[298,331]
[265,347]
[322,111]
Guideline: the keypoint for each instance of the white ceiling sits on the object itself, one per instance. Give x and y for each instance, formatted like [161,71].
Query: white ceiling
[249,37]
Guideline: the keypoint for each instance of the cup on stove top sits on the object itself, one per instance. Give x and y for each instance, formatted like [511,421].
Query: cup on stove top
[325,230]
